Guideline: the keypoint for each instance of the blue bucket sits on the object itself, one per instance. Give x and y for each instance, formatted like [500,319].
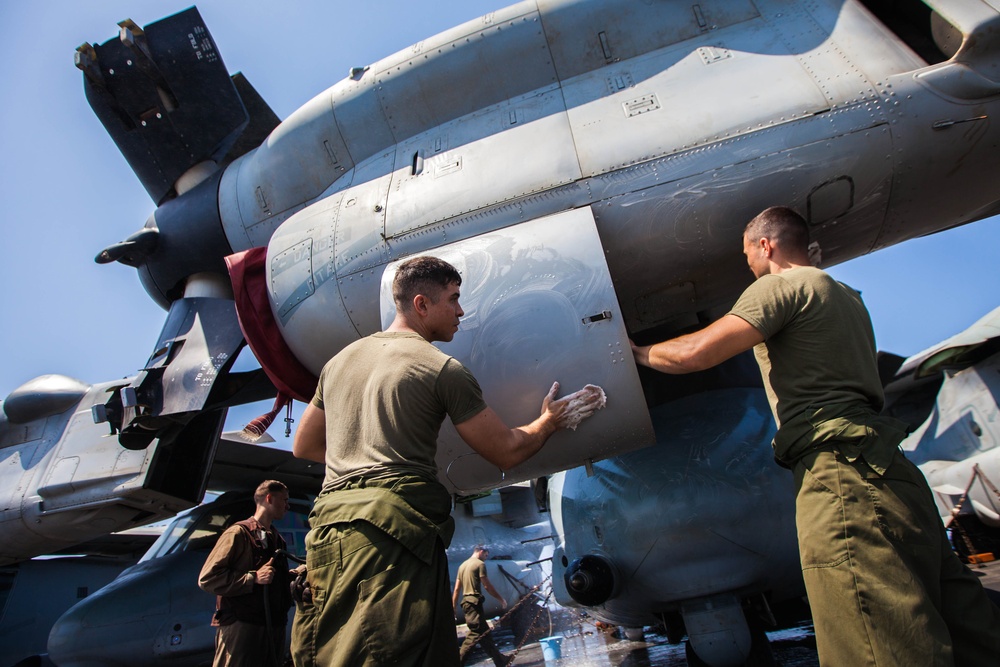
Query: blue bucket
[551,648]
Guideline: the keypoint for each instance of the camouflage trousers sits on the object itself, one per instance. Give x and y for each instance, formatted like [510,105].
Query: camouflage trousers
[373,603]
[884,586]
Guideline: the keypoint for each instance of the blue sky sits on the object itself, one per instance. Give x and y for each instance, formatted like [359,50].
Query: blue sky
[67,192]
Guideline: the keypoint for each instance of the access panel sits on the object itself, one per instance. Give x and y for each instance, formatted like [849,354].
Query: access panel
[539,307]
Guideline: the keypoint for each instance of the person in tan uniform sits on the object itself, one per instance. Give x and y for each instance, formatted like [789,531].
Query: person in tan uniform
[379,528]
[884,586]
[251,585]
[470,581]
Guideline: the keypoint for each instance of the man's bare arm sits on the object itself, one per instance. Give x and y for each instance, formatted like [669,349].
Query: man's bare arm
[721,340]
[507,447]
[488,585]
[310,436]
[455,592]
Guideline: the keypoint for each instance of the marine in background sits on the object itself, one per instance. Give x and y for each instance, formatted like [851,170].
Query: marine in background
[251,583]
[469,584]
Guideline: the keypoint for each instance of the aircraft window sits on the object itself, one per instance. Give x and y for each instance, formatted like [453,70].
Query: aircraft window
[200,532]
[205,532]
[191,531]
[165,542]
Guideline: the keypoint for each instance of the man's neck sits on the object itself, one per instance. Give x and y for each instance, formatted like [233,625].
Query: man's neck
[784,265]
[402,324]
[263,518]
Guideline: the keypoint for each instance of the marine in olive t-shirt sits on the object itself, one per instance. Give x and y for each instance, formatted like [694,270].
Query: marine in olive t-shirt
[818,349]
[388,395]
[470,574]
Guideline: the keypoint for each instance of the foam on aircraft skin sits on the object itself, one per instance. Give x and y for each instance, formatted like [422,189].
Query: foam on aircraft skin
[582,404]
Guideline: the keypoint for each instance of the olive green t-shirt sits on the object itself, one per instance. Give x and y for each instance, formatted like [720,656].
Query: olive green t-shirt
[385,397]
[819,346]
[470,574]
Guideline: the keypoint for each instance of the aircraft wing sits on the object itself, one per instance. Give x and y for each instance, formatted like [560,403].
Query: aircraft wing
[912,390]
[955,351]
[241,465]
[128,544]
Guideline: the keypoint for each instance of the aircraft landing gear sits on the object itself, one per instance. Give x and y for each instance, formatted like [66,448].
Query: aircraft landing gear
[720,635]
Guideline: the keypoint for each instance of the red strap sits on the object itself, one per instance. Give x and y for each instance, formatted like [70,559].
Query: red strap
[253,309]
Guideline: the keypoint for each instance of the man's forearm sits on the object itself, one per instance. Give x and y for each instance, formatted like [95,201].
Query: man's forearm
[676,356]
[527,440]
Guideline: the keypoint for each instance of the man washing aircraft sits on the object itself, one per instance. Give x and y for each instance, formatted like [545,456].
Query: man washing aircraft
[883,584]
[376,551]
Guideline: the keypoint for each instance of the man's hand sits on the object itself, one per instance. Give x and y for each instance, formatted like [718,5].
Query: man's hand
[570,410]
[265,574]
[301,592]
[507,447]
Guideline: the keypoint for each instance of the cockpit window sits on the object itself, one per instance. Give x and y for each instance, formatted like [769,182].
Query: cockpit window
[200,529]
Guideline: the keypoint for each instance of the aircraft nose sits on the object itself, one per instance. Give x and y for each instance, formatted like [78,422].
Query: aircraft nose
[112,627]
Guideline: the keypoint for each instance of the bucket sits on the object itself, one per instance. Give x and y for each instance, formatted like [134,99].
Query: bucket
[551,648]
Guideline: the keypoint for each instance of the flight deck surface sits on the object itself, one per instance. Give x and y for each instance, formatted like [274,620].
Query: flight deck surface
[585,645]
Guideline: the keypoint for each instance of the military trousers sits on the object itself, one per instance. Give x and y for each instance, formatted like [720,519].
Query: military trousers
[373,602]
[475,619]
[884,586]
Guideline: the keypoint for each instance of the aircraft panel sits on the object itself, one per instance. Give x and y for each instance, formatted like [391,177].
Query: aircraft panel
[504,58]
[539,306]
[692,214]
[617,30]
[697,93]
[301,270]
[301,159]
[875,50]
[444,173]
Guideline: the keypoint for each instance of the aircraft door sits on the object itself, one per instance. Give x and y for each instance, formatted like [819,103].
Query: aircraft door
[539,306]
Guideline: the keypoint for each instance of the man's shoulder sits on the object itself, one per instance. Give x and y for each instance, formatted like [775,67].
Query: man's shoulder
[789,284]
[396,342]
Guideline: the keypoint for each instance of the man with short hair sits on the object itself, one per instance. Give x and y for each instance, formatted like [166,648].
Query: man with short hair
[251,585]
[884,586]
[376,549]
[470,581]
